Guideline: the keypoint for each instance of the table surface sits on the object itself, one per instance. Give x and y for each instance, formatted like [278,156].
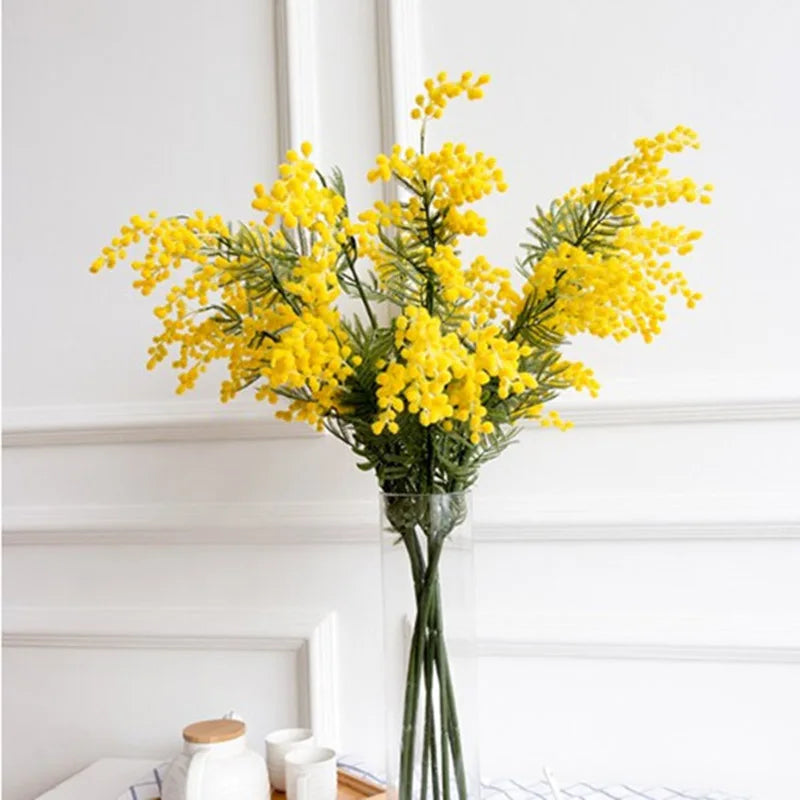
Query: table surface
[106,779]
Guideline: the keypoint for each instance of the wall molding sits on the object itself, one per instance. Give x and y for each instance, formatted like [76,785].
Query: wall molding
[645,531]
[677,412]
[296,71]
[717,638]
[130,423]
[399,69]
[190,421]
[195,523]
[758,517]
[640,651]
[311,635]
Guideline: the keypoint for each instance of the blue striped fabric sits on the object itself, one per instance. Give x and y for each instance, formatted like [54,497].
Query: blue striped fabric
[500,789]
[148,787]
[509,789]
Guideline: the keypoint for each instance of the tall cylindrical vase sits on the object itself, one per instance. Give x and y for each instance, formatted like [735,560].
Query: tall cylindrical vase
[430,649]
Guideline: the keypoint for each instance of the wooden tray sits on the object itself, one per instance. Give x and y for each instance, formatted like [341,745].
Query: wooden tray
[351,787]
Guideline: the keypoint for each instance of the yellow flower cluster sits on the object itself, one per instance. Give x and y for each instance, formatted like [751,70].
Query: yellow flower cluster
[578,376]
[298,199]
[613,294]
[615,291]
[492,292]
[446,265]
[441,377]
[444,181]
[642,180]
[310,355]
[450,178]
[366,230]
[288,345]
[291,338]
[439,92]
[171,241]
[552,420]
[569,375]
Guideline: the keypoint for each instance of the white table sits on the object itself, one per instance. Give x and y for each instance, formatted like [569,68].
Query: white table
[106,779]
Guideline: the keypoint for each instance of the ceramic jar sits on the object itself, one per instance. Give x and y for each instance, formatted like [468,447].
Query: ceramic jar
[216,765]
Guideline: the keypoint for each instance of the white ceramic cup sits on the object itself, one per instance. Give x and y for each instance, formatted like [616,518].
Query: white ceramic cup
[279,743]
[311,774]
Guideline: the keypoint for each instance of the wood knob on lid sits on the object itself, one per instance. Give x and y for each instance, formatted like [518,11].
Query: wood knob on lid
[211,731]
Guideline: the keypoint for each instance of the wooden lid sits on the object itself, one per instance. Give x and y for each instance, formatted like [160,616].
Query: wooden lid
[211,731]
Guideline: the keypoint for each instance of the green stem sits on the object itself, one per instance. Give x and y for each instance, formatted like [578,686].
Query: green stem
[444,715]
[450,721]
[352,264]
[416,558]
[444,700]
[430,729]
[430,289]
[429,755]
[301,238]
[426,751]
[417,561]
[424,600]
[428,657]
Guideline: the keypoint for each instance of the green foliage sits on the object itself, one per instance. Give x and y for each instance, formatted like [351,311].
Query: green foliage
[591,227]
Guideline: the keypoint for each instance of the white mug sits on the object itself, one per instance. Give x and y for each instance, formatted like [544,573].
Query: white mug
[311,774]
[279,743]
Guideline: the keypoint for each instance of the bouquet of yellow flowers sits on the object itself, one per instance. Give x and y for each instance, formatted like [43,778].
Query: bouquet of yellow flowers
[433,378]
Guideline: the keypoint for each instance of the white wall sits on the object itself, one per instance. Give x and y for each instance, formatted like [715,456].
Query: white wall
[639,609]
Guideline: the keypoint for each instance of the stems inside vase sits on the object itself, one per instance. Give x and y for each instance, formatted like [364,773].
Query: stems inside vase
[429,673]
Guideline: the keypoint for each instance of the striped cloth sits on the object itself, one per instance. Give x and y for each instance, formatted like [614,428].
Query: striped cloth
[149,787]
[508,789]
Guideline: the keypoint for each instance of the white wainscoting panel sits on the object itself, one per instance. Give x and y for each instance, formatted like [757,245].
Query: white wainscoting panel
[653,722]
[127,680]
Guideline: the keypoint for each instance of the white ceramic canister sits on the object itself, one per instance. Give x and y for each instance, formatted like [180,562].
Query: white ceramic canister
[216,765]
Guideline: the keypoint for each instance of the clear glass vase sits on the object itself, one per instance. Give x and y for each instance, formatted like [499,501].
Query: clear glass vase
[429,646]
